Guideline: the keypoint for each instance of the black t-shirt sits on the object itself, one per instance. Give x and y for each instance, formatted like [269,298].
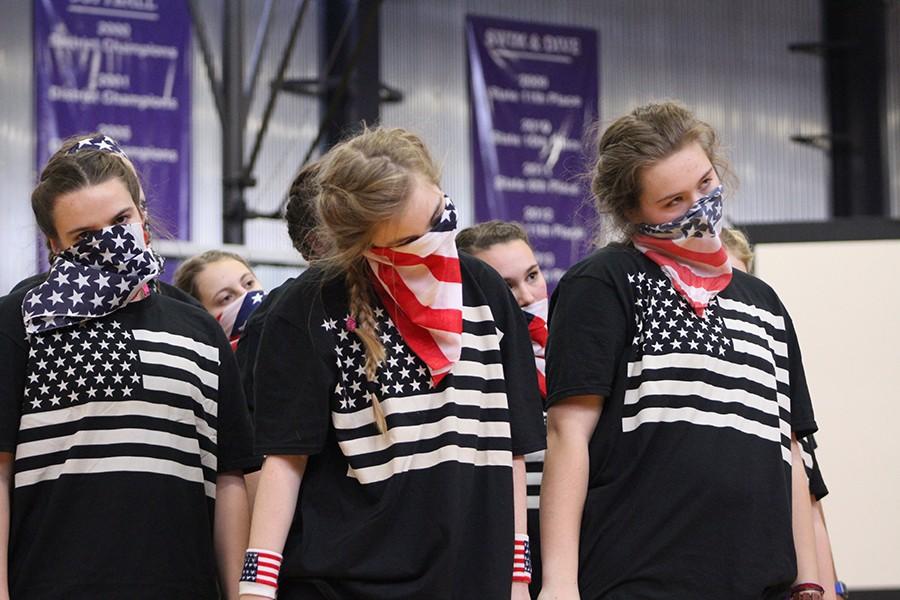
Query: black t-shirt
[119,427]
[689,490]
[248,344]
[817,485]
[425,510]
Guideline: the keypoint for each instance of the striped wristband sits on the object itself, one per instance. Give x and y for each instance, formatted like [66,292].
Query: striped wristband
[260,574]
[521,559]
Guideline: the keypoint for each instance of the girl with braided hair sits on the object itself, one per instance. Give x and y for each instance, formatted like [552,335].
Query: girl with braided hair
[397,383]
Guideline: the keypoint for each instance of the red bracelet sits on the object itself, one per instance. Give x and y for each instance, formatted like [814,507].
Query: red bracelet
[521,559]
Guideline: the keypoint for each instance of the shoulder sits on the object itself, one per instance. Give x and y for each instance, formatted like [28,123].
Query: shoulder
[183,318]
[29,282]
[477,273]
[11,324]
[608,262]
[751,290]
[295,299]
[173,292]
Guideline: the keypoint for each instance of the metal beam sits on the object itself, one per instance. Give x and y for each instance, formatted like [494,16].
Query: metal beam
[233,125]
[855,63]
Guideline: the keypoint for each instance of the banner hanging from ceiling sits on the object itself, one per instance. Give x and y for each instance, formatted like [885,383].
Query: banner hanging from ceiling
[122,68]
[533,90]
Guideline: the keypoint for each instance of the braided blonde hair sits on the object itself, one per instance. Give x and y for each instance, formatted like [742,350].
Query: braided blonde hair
[365,181]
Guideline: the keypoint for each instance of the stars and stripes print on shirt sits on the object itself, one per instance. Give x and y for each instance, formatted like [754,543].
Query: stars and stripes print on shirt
[726,369]
[100,398]
[464,419]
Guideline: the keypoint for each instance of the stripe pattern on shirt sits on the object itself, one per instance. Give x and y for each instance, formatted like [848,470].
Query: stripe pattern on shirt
[727,369]
[463,419]
[100,398]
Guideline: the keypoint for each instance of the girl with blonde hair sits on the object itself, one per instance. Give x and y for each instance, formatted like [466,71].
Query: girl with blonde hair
[396,395]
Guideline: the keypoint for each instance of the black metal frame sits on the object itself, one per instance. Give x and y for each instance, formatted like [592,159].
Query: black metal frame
[348,100]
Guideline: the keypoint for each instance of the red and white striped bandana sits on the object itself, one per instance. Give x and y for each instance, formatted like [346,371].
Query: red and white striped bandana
[536,315]
[690,252]
[420,285]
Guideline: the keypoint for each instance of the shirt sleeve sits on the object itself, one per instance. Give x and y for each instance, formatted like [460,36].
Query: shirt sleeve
[803,421]
[292,383]
[235,434]
[588,333]
[817,485]
[12,374]
[526,417]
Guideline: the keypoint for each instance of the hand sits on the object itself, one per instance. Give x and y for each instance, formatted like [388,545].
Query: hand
[565,591]
[252,597]
[520,591]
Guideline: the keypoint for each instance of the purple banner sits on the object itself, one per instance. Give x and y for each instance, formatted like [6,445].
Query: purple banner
[533,90]
[121,67]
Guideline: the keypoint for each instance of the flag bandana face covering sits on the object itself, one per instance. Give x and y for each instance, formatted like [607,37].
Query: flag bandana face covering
[536,316]
[420,285]
[235,316]
[690,252]
[99,274]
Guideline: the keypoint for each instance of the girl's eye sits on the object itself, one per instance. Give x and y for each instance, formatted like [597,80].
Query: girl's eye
[674,201]
[223,300]
[531,276]
[249,283]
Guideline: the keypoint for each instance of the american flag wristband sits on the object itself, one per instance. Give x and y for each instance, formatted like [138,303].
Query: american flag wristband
[521,559]
[260,574]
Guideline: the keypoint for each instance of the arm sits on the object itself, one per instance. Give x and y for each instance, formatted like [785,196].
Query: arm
[570,425]
[276,501]
[802,519]
[6,462]
[232,525]
[825,558]
[520,513]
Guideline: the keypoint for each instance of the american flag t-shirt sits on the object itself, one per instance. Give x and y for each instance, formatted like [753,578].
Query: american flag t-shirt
[464,419]
[103,398]
[725,369]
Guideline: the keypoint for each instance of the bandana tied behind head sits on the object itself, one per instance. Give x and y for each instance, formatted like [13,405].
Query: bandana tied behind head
[420,285]
[235,316]
[536,316]
[99,274]
[690,252]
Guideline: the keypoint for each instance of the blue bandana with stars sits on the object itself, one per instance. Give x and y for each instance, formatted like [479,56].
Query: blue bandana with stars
[703,219]
[99,274]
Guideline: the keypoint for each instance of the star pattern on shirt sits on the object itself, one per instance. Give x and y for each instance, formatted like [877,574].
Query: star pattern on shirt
[665,323]
[92,361]
[401,374]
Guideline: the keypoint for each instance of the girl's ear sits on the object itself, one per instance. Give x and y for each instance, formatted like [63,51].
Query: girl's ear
[55,247]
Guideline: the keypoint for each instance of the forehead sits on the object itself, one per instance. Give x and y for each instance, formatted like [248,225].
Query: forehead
[678,172]
[510,259]
[93,202]
[415,215]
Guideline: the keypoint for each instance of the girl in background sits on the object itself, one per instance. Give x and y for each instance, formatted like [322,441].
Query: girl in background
[225,285]
[396,395]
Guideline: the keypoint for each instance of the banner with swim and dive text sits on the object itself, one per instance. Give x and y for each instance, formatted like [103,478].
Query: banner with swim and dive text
[533,89]
[123,68]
